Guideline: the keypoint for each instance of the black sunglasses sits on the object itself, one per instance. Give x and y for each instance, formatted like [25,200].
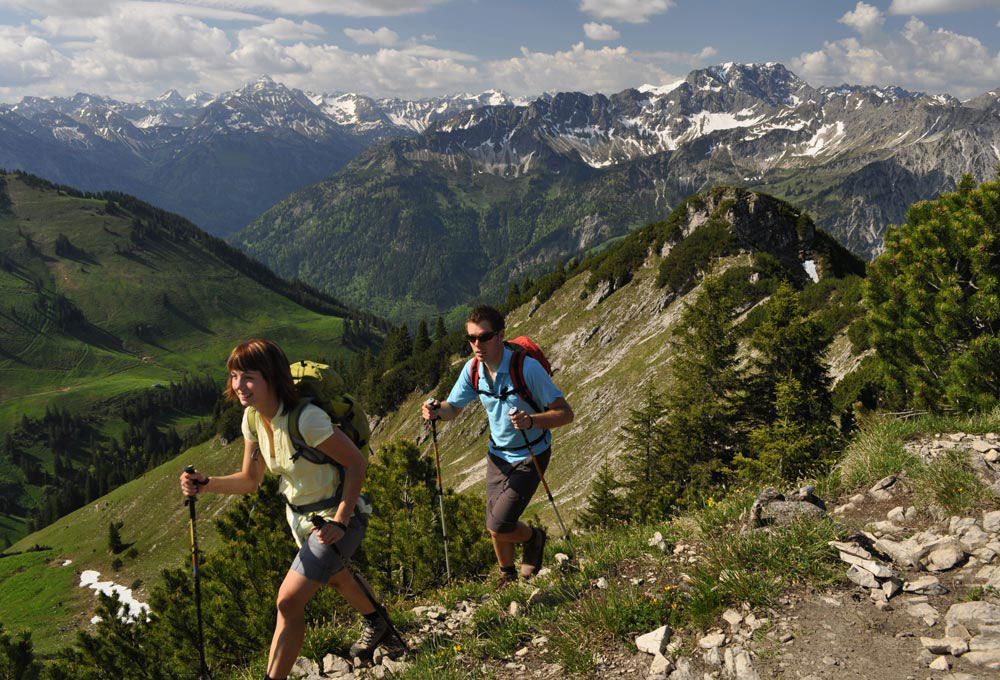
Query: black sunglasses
[482,337]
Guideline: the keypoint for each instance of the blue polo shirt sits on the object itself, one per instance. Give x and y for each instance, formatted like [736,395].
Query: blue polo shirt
[502,431]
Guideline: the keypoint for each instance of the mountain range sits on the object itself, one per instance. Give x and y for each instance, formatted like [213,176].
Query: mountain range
[453,198]
[494,193]
[219,160]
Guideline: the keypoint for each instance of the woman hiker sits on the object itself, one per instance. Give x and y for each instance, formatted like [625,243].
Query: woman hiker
[259,377]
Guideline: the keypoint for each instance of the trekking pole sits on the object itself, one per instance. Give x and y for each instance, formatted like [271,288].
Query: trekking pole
[318,522]
[437,462]
[538,469]
[190,502]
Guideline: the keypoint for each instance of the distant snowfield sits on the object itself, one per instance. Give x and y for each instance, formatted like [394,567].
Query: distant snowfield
[131,608]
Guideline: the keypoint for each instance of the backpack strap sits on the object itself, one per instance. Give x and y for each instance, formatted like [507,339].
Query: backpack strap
[517,378]
[252,421]
[518,384]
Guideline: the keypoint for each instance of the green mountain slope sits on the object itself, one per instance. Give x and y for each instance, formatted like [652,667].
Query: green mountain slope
[607,329]
[408,234]
[39,589]
[102,296]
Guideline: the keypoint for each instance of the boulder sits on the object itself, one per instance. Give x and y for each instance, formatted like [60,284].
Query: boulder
[712,640]
[783,513]
[682,671]
[978,617]
[654,642]
[872,567]
[304,668]
[925,612]
[946,554]
[926,585]
[851,549]
[660,665]
[863,578]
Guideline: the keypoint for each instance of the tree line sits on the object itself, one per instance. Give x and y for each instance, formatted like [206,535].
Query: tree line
[74,463]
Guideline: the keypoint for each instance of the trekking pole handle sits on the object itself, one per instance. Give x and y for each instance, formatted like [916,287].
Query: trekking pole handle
[190,469]
[433,404]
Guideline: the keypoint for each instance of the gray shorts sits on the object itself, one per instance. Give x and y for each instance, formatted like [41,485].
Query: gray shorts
[319,562]
[509,488]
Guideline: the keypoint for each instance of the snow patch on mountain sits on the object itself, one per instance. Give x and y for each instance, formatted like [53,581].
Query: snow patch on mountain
[131,609]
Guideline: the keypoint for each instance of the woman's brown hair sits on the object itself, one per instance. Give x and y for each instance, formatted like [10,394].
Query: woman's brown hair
[259,354]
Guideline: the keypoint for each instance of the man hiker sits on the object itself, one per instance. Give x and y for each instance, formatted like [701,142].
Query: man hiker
[511,477]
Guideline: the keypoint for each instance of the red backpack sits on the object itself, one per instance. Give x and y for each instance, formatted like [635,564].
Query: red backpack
[521,348]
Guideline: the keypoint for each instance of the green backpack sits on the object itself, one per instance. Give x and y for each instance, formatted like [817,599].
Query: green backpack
[320,385]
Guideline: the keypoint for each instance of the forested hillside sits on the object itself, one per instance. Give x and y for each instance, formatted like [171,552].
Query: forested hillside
[114,323]
[730,275]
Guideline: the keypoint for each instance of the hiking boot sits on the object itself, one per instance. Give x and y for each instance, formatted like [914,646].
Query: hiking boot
[372,634]
[534,549]
[504,579]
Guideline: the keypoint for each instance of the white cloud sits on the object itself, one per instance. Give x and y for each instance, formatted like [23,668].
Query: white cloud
[26,58]
[916,57]
[325,68]
[133,33]
[363,36]
[938,6]
[431,52]
[283,30]
[596,31]
[351,8]
[864,19]
[629,11]
[577,69]
[693,59]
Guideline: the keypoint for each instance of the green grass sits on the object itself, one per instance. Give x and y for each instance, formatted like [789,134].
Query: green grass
[950,482]
[155,522]
[198,300]
[755,567]
[36,591]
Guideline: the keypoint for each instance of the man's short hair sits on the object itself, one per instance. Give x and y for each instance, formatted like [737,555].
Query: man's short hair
[488,314]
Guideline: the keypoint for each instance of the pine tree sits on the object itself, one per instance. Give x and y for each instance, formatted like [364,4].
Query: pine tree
[790,406]
[788,344]
[790,447]
[115,544]
[703,429]
[641,436]
[422,340]
[934,301]
[439,330]
[605,506]
[17,657]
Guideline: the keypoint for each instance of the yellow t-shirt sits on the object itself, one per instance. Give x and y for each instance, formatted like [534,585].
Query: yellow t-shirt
[302,482]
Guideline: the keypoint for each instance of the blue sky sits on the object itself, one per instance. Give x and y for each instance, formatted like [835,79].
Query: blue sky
[135,49]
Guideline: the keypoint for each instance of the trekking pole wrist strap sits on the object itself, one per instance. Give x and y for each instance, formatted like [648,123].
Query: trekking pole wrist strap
[531,422]
[339,525]
[203,482]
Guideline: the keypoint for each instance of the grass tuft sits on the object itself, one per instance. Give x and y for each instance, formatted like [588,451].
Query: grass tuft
[950,482]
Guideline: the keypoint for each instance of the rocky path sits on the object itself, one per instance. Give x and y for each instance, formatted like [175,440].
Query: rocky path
[920,600]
